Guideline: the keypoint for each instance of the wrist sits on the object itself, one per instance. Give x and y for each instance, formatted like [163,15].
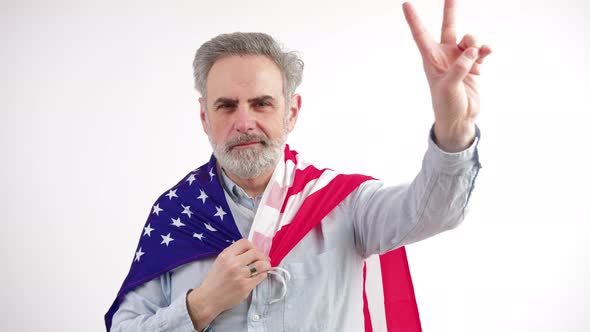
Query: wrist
[200,310]
[454,138]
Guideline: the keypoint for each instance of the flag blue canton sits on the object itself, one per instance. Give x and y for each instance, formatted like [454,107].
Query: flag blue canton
[191,221]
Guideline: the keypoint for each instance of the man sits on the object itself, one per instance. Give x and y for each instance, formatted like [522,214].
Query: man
[308,230]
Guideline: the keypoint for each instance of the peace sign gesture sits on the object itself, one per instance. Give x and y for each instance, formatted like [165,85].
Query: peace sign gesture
[451,70]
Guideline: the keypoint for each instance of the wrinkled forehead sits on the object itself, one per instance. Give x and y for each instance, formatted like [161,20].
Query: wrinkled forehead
[243,77]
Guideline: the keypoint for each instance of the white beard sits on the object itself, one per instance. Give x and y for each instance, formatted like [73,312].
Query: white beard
[252,162]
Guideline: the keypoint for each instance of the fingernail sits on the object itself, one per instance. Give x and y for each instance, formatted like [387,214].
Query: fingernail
[471,53]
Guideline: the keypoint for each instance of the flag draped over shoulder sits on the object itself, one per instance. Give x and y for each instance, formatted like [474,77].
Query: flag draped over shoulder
[192,221]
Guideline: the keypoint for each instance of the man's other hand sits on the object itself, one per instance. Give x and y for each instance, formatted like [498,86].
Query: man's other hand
[451,70]
[228,283]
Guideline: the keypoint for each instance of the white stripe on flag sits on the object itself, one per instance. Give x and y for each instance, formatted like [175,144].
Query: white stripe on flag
[374,290]
[294,202]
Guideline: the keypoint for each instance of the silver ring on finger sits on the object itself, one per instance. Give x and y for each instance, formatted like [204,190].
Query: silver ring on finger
[253,270]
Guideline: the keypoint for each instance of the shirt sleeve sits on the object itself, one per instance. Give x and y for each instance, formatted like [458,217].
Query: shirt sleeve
[148,308]
[388,217]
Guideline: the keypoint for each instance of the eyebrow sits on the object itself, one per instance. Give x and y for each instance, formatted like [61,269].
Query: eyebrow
[223,100]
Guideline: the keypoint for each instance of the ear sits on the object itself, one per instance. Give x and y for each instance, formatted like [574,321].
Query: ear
[203,109]
[293,111]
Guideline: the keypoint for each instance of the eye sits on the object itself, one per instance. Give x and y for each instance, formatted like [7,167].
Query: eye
[262,104]
[226,106]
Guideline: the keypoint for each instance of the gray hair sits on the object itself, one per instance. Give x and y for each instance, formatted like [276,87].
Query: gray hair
[251,43]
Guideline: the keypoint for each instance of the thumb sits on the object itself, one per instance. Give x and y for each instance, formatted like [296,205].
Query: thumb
[462,65]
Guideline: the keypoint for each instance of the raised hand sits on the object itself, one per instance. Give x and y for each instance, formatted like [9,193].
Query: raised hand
[451,69]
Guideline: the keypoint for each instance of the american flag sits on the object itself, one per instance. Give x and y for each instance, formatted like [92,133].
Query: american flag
[192,221]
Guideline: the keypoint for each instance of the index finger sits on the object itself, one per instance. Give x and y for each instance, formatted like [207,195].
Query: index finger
[421,36]
[448,34]
[239,247]
[251,256]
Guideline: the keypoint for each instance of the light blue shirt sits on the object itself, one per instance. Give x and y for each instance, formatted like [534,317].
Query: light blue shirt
[325,291]
[237,194]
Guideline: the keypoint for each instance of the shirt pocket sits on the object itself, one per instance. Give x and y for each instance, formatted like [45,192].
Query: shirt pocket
[311,291]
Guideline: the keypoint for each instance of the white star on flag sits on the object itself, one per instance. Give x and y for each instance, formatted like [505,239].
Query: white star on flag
[138,254]
[209,228]
[157,210]
[220,213]
[148,230]
[187,210]
[190,179]
[198,236]
[176,222]
[203,196]
[211,174]
[166,239]
[171,193]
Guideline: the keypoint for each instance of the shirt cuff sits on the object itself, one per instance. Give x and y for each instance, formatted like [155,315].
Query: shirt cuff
[177,318]
[453,162]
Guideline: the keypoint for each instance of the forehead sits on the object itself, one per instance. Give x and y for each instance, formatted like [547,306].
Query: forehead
[244,76]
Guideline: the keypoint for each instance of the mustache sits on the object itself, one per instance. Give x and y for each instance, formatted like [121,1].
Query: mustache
[245,138]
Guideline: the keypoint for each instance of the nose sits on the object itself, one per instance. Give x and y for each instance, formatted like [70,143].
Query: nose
[245,121]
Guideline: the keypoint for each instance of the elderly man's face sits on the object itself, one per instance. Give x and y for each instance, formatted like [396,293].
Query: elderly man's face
[245,116]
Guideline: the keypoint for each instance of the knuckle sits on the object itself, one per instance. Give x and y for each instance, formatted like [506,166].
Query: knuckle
[224,257]
[243,242]
[258,254]
[220,258]
[464,64]
[264,266]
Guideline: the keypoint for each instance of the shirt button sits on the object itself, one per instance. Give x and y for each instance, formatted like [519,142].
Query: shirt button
[256,318]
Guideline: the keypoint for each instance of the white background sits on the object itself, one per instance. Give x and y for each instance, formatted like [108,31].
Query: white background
[98,118]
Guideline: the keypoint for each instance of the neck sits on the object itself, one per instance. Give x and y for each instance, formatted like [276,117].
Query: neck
[253,187]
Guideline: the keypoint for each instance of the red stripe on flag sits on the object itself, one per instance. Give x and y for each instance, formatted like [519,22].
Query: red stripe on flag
[401,310]
[290,154]
[315,207]
[301,179]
